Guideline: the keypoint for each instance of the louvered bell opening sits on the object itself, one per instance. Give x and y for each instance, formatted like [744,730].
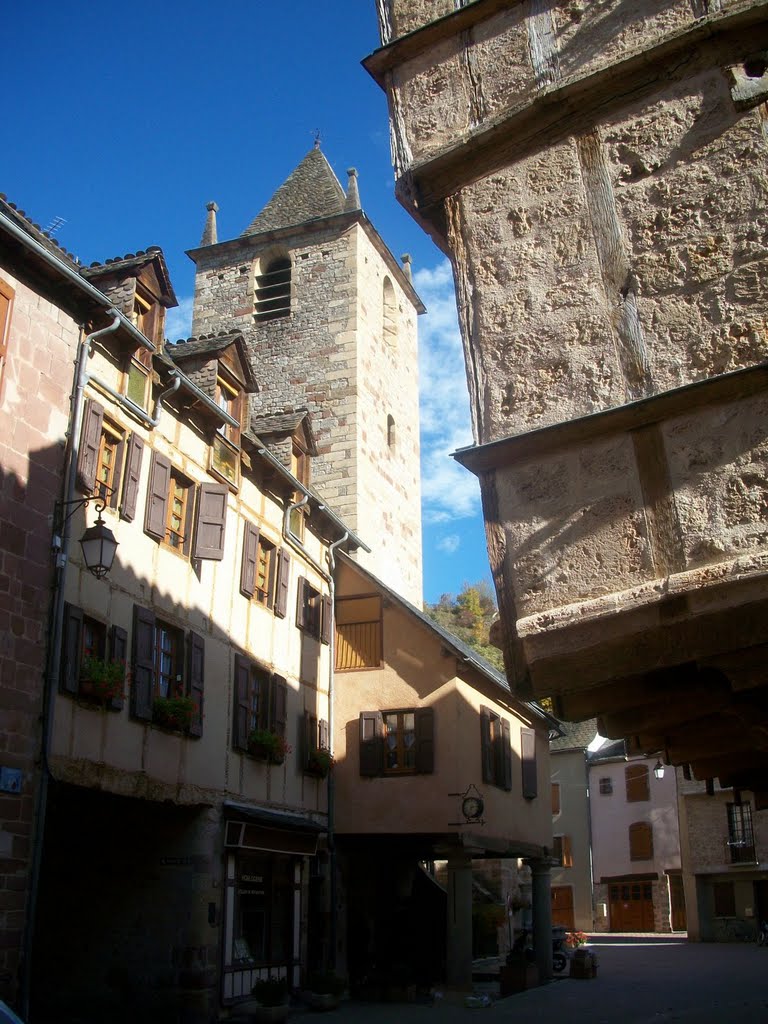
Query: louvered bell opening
[273,291]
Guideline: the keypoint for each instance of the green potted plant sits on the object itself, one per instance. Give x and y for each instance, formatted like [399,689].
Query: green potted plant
[101,679]
[324,990]
[319,763]
[268,746]
[271,995]
[174,713]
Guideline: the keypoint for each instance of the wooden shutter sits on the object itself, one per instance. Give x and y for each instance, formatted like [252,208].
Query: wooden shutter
[636,780]
[90,439]
[486,749]
[118,647]
[157,496]
[324,738]
[555,798]
[283,582]
[143,663]
[567,851]
[529,772]
[278,705]
[133,457]
[301,603]
[640,841]
[242,702]
[424,720]
[211,522]
[248,567]
[327,619]
[196,677]
[308,737]
[506,756]
[371,743]
[72,647]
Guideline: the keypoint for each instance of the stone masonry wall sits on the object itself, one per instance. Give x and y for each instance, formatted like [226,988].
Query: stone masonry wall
[34,406]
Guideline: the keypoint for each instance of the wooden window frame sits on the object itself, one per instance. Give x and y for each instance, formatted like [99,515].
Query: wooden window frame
[110,641]
[372,742]
[309,609]
[168,642]
[7,295]
[495,749]
[400,732]
[266,571]
[562,850]
[181,490]
[261,698]
[188,666]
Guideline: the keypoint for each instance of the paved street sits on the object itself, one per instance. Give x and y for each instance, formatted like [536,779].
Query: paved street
[641,980]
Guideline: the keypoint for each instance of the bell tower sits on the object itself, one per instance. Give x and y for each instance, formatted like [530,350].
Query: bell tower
[329,316]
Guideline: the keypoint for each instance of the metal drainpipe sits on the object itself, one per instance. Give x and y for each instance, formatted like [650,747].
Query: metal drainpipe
[54,660]
[135,410]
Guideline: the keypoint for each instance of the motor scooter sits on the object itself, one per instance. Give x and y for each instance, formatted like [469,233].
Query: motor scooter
[523,945]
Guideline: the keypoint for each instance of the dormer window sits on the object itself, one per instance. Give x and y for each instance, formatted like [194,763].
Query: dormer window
[272,299]
[300,467]
[225,457]
[138,377]
[147,316]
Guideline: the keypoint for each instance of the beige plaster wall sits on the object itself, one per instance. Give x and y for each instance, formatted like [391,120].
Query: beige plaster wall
[569,771]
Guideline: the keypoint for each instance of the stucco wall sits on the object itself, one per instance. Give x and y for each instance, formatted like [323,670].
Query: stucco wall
[569,772]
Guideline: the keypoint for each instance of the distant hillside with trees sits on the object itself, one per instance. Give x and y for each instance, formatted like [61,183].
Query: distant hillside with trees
[469,616]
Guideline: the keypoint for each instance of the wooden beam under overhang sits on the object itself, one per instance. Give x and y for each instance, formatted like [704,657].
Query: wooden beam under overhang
[748,766]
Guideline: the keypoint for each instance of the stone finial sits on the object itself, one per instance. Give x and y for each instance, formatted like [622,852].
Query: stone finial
[406,261]
[352,201]
[209,233]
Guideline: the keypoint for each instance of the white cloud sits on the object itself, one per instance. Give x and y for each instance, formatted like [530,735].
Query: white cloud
[448,491]
[449,544]
[178,323]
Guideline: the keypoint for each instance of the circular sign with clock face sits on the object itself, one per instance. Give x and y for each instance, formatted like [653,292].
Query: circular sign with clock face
[472,807]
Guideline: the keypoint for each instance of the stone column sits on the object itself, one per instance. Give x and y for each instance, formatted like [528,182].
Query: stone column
[459,922]
[542,916]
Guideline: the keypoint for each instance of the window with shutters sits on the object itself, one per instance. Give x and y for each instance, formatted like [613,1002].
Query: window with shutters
[358,632]
[266,564]
[315,738]
[313,612]
[555,799]
[167,664]
[261,699]
[265,571]
[640,841]
[93,659]
[496,749]
[562,851]
[272,299]
[398,742]
[170,513]
[636,779]
[225,451]
[6,304]
[301,465]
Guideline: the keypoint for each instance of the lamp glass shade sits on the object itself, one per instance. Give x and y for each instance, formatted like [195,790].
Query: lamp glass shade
[99,547]
[658,770]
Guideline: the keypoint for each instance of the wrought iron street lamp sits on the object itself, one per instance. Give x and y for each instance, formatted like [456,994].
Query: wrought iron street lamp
[98,542]
[658,770]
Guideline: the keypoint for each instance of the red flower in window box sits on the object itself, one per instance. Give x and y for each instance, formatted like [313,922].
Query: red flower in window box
[174,713]
[101,679]
[268,746]
[319,763]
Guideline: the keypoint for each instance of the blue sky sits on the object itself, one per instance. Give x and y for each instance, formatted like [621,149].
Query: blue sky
[126,121]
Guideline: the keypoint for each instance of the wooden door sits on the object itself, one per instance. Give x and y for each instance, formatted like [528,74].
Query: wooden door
[562,906]
[631,907]
[678,917]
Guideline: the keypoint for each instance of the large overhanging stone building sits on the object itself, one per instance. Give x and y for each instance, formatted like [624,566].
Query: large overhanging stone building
[596,173]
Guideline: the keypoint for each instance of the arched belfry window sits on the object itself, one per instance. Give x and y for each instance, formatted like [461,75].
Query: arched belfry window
[391,431]
[273,290]
[389,317]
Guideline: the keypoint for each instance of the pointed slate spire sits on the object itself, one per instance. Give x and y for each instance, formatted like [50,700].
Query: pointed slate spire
[310,192]
[407,270]
[209,232]
[352,201]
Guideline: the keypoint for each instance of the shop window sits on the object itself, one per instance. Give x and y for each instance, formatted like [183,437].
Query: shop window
[496,749]
[263,912]
[606,786]
[91,649]
[6,304]
[555,799]
[636,779]
[358,632]
[640,841]
[167,663]
[260,701]
[398,742]
[273,291]
[562,850]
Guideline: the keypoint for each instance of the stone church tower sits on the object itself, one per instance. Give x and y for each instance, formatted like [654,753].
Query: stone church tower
[330,321]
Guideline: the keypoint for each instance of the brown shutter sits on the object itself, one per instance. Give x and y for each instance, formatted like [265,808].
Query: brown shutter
[196,677]
[211,522]
[113,499]
[371,743]
[157,496]
[308,737]
[486,750]
[143,663]
[640,841]
[324,739]
[327,613]
[301,603]
[636,780]
[278,702]
[242,705]
[248,568]
[424,720]
[118,647]
[528,754]
[72,632]
[555,798]
[90,439]
[134,454]
[189,512]
[283,583]
[506,754]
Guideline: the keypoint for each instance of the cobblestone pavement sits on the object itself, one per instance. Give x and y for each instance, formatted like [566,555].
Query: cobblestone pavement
[644,979]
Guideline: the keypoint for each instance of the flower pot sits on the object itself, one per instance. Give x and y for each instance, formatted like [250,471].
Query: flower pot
[255,1013]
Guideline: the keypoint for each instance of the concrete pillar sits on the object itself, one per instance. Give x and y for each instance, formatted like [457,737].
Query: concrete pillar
[541,900]
[459,923]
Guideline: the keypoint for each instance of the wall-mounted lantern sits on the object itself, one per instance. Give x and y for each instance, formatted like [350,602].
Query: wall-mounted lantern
[98,542]
[658,770]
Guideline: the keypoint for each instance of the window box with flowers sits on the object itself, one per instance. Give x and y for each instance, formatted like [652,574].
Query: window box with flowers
[319,763]
[267,745]
[101,679]
[174,713]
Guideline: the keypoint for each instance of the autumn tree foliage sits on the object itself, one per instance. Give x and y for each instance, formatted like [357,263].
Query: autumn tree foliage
[469,616]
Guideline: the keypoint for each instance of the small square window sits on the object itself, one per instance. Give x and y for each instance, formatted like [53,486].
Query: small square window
[606,786]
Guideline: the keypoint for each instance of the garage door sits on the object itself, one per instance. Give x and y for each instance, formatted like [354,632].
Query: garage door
[631,907]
